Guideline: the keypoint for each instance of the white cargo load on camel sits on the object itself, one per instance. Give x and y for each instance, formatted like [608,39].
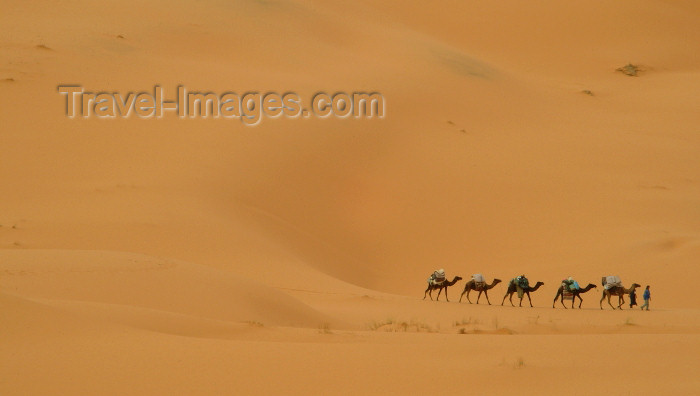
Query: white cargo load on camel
[478,278]
[437,278]
[612,281]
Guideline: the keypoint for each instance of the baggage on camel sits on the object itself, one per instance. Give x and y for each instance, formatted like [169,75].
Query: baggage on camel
[611,281]
[438,277]
[568,295]
[521,284]
[566,289]
[570,284]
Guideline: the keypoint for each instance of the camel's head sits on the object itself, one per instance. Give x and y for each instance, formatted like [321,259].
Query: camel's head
[496,281]
[636,285]
[458,278]
[539,284]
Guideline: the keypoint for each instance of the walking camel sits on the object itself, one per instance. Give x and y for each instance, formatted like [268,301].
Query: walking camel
[512,288]
[439,287]
[575,293]
[481,287]
[619,291]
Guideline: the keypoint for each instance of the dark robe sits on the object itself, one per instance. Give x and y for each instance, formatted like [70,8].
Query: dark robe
[633,299]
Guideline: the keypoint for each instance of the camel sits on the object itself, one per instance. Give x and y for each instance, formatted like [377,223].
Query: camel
[512,289]
[481,288]
[439,287]
[576,293]
[619,291]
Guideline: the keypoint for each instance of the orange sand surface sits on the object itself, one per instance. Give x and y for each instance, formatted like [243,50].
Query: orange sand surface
[201,256]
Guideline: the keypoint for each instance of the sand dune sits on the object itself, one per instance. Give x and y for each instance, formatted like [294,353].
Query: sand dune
[168,256]
[146,282]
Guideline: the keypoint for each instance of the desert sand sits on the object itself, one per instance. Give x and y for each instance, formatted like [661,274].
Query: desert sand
[206,257]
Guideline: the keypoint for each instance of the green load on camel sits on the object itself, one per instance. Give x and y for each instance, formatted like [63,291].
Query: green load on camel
[521,284]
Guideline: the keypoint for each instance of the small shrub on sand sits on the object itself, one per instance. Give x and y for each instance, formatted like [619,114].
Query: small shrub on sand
[629,70]
[465,322]
[519,363]
[324,328]
[402,326]
[376,325]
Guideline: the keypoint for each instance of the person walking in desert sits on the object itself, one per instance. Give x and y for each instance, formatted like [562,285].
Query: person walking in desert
[647,297]
[633,298]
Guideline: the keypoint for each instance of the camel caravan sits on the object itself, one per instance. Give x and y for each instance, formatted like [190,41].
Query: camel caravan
[569,289]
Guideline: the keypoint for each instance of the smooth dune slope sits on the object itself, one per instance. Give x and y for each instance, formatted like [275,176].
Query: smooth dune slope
[490,156]
[147,282]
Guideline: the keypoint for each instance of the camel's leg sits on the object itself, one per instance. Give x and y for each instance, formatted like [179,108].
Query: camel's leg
[426,293]
[622,301]
[508,294]
[479,296]
[468,299]
[559,294]
[609,303]
[601,300]
[439,292]
[462,295]
[580,301]
[486,293]
[528,297]
[448,300]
